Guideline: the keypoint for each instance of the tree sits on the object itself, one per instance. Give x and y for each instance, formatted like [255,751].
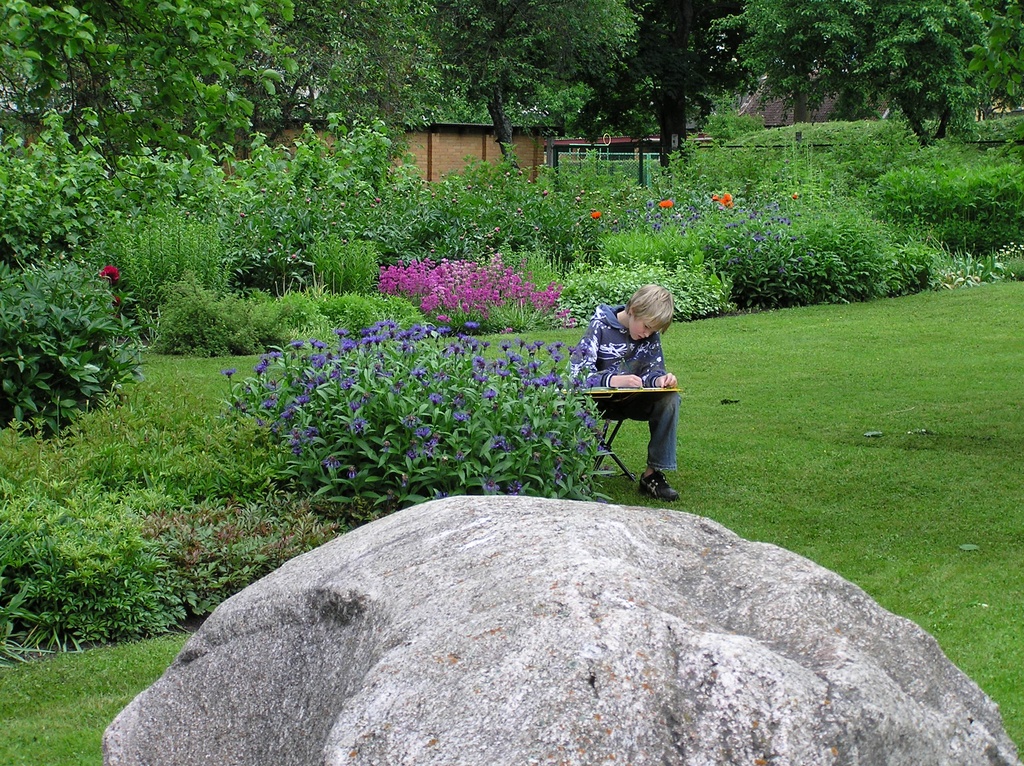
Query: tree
[684,58]
[803,48]
[917,60]
[999,59]
[909,54]
[153,72]
[501,52]
[364,59]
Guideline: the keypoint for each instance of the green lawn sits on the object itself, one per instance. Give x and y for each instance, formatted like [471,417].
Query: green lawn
[772,444]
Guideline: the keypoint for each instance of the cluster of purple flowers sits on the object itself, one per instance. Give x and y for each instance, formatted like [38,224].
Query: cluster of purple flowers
[401,415]
[465,287]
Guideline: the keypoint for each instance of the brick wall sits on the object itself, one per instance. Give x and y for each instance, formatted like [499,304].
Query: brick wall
[443,148]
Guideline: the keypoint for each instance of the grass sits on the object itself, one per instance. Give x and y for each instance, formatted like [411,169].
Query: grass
[772,444]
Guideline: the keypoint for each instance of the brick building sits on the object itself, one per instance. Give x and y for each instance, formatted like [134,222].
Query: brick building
[444,147]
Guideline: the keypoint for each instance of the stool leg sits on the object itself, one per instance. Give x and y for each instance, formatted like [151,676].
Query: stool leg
[607,451]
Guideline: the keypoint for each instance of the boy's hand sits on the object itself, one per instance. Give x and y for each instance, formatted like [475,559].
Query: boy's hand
[626,381]
[668,380]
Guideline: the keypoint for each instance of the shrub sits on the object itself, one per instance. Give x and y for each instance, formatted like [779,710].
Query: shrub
[54,197]
[728,125]
[80,569]
[461,292]
[354,312]
[910,267]
[397,417]
[195,321]
[778,258]
[158,249]
[696,291]
[345,267]
[214,550]
[63,346]
[976,209]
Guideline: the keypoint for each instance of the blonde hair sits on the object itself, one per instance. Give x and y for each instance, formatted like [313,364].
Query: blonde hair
[653,305]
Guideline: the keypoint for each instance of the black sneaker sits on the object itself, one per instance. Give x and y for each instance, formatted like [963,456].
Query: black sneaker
[656,486]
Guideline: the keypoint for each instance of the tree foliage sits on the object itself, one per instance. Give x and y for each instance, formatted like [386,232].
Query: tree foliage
[366,60]
[683,59]
[908,54]
[999,58]
[150,71]
[502,53]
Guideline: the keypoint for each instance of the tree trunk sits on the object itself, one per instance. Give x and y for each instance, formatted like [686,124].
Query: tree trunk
[940,131]
[672,112]
[502,125]
[800,107]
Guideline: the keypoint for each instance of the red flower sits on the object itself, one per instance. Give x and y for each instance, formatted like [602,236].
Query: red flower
[595,214]
[110,273]
[795,195]
[666,203]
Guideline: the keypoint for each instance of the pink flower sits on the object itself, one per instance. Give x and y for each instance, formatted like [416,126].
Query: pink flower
[111,274]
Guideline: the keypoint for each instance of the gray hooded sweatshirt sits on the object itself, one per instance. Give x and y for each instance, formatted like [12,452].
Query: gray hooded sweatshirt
[607,349]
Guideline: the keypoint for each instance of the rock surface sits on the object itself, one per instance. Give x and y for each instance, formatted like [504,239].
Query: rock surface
[487,631]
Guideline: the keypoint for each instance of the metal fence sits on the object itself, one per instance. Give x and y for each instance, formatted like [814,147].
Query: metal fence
[635,165]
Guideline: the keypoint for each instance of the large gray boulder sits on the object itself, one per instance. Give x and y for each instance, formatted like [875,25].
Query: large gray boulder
[491,631]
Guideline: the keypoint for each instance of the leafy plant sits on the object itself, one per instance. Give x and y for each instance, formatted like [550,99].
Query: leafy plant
[353,312]
[967,271]
[160,248]
[196,321]
[400,416]
[697,292]
[54,197]
[345,267]
[972,209]
[80,569]
[63,344]
[214,550]
[778,258]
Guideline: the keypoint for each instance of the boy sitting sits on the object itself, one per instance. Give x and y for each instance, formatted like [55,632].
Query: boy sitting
[622,349]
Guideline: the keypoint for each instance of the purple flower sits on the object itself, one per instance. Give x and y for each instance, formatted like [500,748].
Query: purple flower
[330,463]
[229,372]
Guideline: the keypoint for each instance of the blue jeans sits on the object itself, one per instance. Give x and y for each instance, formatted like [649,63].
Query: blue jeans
[661,411]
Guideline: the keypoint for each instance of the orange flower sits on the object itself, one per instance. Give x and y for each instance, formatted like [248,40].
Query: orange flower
[795,195]
[727,199]
[595,214]
[715,198]
[666,203]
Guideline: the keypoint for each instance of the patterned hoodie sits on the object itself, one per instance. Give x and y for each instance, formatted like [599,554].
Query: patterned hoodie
[607,349]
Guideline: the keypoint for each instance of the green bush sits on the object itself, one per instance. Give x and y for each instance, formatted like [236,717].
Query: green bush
[910,268]
[63,345]
[779,257]
[975,209]
[697,292]
[354,312]
[214,550]
[401,416]
[54,197]
[727,125]
[160,248]
[80,569]
[196,321]
[345,267]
